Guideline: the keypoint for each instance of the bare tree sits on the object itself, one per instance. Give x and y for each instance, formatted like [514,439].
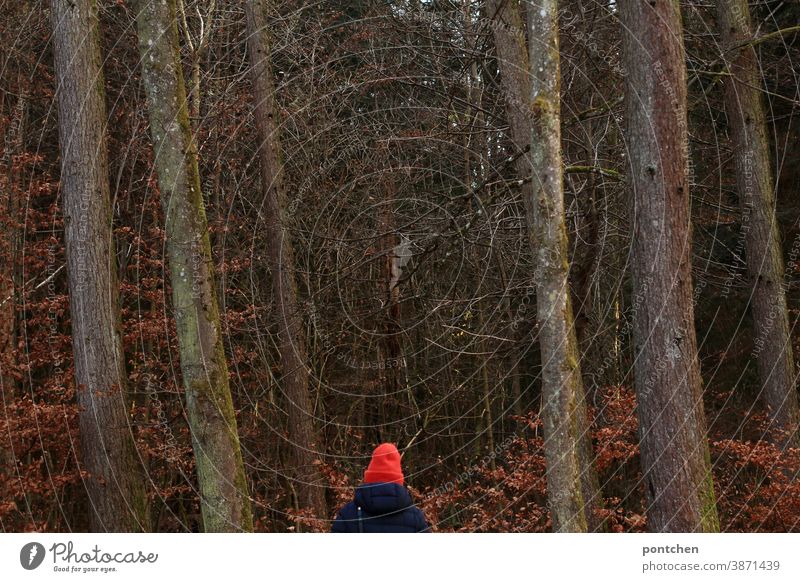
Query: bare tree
[220,471]
[672,425]
[198,47]
[115,483]
[13,143]
[531,80]
[748,132]
[309,485]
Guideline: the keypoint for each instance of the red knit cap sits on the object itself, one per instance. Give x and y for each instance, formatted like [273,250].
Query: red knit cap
[384,466]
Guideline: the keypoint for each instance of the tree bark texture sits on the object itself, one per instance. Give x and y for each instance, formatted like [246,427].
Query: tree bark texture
[747,127]
[530,81]
[309,483]
[115,484]
[674,450]
[220,471]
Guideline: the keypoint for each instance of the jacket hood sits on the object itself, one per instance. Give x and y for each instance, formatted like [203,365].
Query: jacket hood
[382,498]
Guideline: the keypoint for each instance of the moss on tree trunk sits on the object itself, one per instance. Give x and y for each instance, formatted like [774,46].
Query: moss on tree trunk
[220,471]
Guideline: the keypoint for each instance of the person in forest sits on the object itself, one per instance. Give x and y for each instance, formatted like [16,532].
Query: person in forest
[382,504]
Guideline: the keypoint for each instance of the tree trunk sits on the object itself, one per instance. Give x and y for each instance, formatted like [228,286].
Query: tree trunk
[530,80]
[480,151]
[571,479]
[310,485]
[220,471]
[512,56]
[748,132]
[389,340]
[13,139]
[674,450]
[115,484]
[13,143]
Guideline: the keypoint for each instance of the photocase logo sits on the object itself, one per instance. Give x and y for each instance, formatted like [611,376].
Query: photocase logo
[31,555]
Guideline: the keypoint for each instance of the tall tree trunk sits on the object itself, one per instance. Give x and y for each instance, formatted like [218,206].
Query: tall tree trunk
[480,151]
[309,485]
[674,450]
[220,471]
[571,479]
[515,77]
[748,132]
[389,341]
[115,485]
[13,143]
[530,77]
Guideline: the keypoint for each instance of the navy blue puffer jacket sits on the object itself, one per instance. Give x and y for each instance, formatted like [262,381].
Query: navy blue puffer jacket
[380,508]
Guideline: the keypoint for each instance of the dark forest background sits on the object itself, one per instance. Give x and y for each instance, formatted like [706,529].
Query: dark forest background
[412,277]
